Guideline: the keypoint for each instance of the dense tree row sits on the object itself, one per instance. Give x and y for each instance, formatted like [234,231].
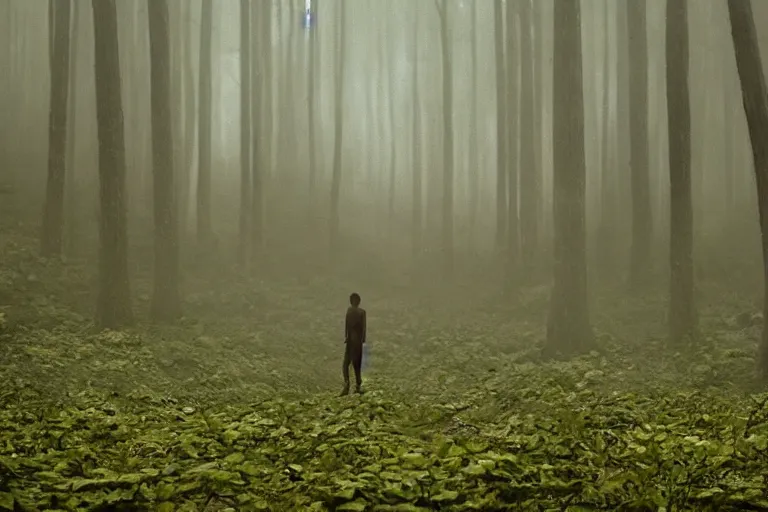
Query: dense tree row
[619,110]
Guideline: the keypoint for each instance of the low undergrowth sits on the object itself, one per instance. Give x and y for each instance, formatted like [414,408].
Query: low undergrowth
[235,407]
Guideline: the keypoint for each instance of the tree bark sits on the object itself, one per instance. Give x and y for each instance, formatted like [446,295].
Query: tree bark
[311,129]
[474,164]
[257,194]
[501,126]
[512,142]
[642,221]
[448,159]
[755,99]
[245,132]
[166,303]
[416,221]
[393,138]
[204,231]
[682,316]
[53,212]
[608,190]
[338,129]
[529,173]
[70,190]
[569,330]
[189,100]
[114,302]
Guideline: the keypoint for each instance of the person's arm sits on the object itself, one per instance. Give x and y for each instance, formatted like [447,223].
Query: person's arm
[364,326]
[346,327]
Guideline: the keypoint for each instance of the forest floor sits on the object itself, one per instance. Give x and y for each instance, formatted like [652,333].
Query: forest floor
[236,407]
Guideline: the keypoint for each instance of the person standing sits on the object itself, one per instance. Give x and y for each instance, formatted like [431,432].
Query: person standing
[354,338]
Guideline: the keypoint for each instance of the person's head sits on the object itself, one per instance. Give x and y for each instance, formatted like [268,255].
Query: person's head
[354,299]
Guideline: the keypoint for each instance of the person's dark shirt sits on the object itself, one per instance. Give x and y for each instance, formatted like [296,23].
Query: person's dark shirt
[355,325]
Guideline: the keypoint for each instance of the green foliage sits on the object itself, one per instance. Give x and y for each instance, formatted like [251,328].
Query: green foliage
[592,450]
[232,408]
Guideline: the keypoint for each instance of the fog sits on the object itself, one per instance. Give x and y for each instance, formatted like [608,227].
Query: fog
[504,182]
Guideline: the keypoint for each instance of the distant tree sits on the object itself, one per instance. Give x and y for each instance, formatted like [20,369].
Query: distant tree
[448,157]
[730,138]
[606,230]
[473,176]
[513,137]
[166,303]
[623,138]
[258,47]
[569,329]
[312,56]
[341,43]
[501,125]
[530,194]
[391,107]
[682,316]
[642,221]
[189,98]
[114,301]
[72,107]
[204,230]
[417,217]
[246,191]
[53,212]
[755,99]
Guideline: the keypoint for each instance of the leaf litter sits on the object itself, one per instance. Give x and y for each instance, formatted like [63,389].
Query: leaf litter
[223,413]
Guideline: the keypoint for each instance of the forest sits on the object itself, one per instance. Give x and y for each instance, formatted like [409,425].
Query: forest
[555,213]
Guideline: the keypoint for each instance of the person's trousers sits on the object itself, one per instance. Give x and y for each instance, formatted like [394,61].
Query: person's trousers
[353,354]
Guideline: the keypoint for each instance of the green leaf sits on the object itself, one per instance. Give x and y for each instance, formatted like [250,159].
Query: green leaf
[476,446]
[7,501]
[353,506]
[474,469]
[445,496]
[415,459]
[345,494]
[235,458]
[130,478]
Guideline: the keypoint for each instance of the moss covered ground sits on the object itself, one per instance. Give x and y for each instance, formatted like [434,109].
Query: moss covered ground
[236,407]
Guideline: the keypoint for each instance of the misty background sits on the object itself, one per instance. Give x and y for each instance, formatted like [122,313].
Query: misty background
[400,148]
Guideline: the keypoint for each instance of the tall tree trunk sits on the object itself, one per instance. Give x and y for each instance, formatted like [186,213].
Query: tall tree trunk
[418,208]
[267,121]
[729,141]
[114,301]
[682,317]
[53,212]
[474,164]
[623,127]
[313,53]
[608,191]
[204,231]
[513,135]
[529,173]
[245,131]
[257,80]
[448,158]
[166,304]
[755,98]
[393,140]
[287,123]
[184,172]
[501,125]
[338,125]
[642,221]
[569,329]
[539,109]
[70,188]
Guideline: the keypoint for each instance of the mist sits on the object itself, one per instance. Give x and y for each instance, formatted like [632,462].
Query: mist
[551,211]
